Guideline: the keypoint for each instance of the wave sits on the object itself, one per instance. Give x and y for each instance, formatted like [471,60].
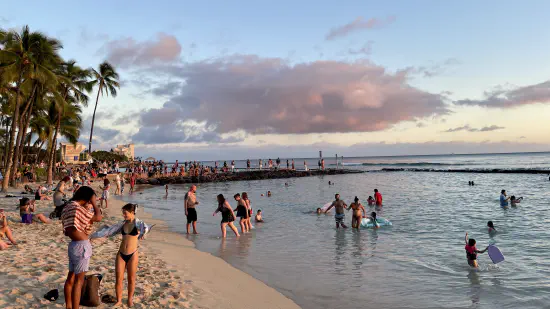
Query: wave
[474,170]
[416,164]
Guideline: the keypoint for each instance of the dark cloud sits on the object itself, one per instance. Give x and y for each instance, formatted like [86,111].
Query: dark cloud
[126,52]
[470,129]
[360,23]
[268,95]
[102,134]
[167,89]
[365,50]
[504,98]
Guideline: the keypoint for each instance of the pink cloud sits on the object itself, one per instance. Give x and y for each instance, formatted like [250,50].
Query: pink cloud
[127,51]
[360,23]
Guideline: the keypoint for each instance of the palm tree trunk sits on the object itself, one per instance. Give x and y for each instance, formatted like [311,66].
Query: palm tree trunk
[21,134]
[15,120]
[39,153]
[51,160]
[29,147]
[93,120]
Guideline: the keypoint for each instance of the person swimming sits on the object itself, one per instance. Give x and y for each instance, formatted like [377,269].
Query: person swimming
[471,251]
[319,211]
[514,200]
[258,217]
[491,227]
[370,200]
[373,219]
[268,193]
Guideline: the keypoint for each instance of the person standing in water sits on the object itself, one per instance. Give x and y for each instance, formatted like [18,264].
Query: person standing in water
[377,197]
[245,199]
[471,251]
[242,212]
[190,211]
[340,206]
[503,199]
[228,216]
[358,213]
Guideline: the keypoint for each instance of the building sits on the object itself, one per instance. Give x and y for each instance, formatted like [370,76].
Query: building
[125,150]
[73,153]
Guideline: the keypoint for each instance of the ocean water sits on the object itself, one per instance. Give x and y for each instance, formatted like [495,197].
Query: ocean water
[419,262]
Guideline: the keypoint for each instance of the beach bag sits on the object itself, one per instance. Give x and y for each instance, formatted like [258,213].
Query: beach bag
[90,291]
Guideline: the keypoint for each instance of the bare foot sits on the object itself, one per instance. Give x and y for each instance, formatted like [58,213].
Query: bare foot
[195,232]
[118,304]
[130,303]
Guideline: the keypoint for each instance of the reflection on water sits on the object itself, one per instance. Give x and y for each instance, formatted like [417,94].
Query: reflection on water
[419,262]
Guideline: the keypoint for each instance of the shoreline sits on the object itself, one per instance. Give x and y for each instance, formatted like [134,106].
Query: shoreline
[172,273]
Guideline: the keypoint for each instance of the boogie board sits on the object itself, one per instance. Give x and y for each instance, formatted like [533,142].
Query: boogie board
[367,222]
[495,254]
[327,205]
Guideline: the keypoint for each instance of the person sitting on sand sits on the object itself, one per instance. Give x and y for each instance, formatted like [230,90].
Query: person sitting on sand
[5,231]
[491,227]
[132,230]
[358,211]
[503,199]
[28,189]
[471,251]
[26,209]
[340,206]
[228,216]
[514,201]
[370,200]
[105,194]
[60,193]
[259,216]
[242,212]
[77,219]
[39,194]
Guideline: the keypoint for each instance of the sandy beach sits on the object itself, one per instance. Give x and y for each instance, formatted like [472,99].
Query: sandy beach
[171,273]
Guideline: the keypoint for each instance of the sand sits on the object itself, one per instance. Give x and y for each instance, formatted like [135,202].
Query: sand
[171,272]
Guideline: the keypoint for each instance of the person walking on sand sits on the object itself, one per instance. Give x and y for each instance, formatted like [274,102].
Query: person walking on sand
[105,194]
[132,182]
[228,216]
[377,198]
[358,213]
[340,206]
[77,219]
[190,211]
[117,181]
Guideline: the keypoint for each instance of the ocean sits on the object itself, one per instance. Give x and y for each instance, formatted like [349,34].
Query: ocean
[419,262]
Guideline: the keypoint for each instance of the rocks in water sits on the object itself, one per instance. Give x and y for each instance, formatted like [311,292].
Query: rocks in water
[244,175]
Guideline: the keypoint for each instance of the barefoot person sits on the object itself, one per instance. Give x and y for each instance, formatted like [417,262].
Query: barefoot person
[340,206]
[190,211]
[377,197]
[247,222]
[5,231]
[132,182]
[77,218]
[132,230]
[228,216]
[242,212]
[26,210]
[358,213]
[105,194]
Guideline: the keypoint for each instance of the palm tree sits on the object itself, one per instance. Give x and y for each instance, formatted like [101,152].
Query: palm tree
[107,80]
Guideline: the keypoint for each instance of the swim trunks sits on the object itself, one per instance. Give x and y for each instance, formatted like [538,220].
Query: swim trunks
[191,215]
[80,253]
[339,218]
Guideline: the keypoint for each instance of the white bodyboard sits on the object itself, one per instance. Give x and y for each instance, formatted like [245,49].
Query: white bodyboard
[327,205]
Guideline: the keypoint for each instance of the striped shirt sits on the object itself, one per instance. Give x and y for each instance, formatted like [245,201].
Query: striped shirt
[77,216]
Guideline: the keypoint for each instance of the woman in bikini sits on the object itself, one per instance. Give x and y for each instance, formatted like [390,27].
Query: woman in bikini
[228,216]
[358,213]
[132,230]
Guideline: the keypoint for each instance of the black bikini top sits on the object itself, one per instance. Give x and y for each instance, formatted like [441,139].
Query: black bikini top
[133,232]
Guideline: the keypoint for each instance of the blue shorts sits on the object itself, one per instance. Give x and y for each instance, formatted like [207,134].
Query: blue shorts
[339,218]
[80,253]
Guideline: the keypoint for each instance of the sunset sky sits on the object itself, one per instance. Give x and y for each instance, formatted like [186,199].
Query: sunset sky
[206,80]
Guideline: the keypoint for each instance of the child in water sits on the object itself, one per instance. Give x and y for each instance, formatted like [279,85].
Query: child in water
[259,216]
[319,211]
[491,227]
[471,251]
[514,200]
[370,200]
[373,219]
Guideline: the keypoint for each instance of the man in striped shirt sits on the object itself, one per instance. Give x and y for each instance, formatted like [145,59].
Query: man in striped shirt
[77,218]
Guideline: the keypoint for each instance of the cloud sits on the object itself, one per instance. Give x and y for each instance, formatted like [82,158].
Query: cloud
[437,68]
[104,137]
[127,51]
[269,95]
[470,129]
[365,50]
[505,98]
[360,23]
[167,89]
[522,137]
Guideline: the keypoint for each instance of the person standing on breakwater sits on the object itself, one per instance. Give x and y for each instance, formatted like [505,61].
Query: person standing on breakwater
[340,206]
[287,164]
[503,199]
[293,167]
[190,211]
[377,197]
[260,163]
[77,218]
[278,161]
[232,166]
[305,166]
[248,165]
[323,164]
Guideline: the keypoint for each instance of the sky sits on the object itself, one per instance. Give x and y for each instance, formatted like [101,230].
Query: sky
[214,80]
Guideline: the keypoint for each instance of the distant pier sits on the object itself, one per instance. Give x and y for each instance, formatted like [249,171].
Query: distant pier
[243,176]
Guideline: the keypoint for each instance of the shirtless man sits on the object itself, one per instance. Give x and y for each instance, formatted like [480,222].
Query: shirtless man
[190,211]
[340,206]
[358,211]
